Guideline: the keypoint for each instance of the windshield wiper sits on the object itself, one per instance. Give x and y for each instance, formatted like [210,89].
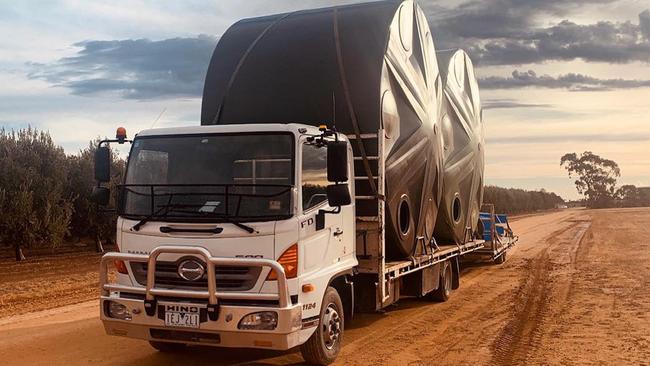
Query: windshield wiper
[162,211]
[240,225]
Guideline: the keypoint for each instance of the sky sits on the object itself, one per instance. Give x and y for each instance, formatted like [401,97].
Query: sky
[556,76]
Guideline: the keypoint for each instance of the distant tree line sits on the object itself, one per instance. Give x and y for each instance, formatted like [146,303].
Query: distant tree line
[632,196]
[45,194]
[517,201]
[595,179]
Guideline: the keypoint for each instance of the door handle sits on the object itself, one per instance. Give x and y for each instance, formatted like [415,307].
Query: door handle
[338,232]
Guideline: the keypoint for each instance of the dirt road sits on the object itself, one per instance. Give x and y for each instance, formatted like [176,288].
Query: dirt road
[574,291]
[47,282]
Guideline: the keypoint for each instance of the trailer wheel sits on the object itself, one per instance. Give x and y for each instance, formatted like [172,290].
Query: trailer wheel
[167,347]
[442,293]
[324,345]
[501,259]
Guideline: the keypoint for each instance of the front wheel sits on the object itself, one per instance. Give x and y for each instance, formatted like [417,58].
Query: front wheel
[325,344]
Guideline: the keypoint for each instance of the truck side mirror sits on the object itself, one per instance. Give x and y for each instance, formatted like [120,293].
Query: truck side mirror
[100,195]
[103,164]
[338,195]
[337,161]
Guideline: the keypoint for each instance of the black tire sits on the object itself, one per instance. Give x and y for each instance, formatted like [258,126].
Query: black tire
[501,259]
[443,292]
[167,347]
[324,345]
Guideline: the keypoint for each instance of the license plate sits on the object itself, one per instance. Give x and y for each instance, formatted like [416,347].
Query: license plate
[188,317]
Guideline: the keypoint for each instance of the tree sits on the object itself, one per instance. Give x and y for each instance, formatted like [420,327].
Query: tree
[45,195]
[628,192]
[33,201]
[595,177]
[88,220]
[631,196]
[515,201]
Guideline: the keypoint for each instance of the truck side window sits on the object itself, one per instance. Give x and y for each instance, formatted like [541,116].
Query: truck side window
[314,175]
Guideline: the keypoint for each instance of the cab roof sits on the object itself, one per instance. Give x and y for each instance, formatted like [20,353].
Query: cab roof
[234,128]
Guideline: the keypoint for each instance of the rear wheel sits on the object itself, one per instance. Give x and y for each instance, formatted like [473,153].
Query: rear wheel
[325,344]
[501,259]
[443,292]
[167,347]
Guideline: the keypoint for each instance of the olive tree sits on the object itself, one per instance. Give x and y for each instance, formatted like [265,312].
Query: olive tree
[89,220]
[36,209]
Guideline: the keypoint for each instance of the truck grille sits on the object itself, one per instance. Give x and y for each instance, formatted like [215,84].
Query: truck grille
[229,278]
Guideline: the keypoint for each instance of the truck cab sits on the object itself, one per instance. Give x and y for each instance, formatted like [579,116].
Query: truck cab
[234,236]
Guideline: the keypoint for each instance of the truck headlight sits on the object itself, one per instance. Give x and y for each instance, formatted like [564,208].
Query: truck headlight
[117,311]
[263,320]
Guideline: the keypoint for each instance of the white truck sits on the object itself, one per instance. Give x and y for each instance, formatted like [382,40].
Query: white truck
[261,228]
[246,236]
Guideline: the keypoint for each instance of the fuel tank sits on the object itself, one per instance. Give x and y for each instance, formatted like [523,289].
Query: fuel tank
[464,149]
[359,68]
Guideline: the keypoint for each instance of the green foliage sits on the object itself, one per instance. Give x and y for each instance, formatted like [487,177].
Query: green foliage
[87,219]
[35,205]
[45,195]
[595,177]
[516,201]
[631,196]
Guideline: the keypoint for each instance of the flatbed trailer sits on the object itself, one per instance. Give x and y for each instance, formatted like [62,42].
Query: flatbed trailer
[497,234]
[424,272]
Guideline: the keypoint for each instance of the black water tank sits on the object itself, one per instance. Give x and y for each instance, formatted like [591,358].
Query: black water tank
[378,62]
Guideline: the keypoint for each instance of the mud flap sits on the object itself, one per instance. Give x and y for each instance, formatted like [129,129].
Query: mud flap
[455,270]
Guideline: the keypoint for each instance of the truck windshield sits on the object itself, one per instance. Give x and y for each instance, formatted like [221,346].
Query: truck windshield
[218,177]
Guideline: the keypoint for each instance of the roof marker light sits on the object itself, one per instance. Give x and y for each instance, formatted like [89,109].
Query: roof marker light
[120,134]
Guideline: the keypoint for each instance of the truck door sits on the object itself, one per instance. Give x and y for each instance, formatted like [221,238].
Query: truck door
[320,245]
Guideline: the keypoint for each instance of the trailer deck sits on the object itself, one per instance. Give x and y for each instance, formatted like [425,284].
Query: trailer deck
[497,234]
[396,269]
[370,228]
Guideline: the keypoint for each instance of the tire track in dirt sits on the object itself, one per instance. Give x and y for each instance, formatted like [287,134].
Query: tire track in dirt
[523,333]
[445,332]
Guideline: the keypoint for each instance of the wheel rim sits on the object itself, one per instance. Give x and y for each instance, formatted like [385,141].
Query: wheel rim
[331,326]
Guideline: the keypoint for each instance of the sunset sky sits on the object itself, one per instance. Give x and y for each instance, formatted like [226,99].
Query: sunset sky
[556,76]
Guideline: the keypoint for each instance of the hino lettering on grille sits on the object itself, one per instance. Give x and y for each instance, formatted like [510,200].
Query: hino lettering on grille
[182,308]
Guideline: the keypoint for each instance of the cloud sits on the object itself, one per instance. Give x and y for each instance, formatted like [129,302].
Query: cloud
[600,42]
[507,32]
[510,104]
[572,81]
[490,19]
[134,69]
[552,139]
[494,32]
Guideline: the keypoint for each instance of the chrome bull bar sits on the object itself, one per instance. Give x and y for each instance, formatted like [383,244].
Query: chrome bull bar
[212,295]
